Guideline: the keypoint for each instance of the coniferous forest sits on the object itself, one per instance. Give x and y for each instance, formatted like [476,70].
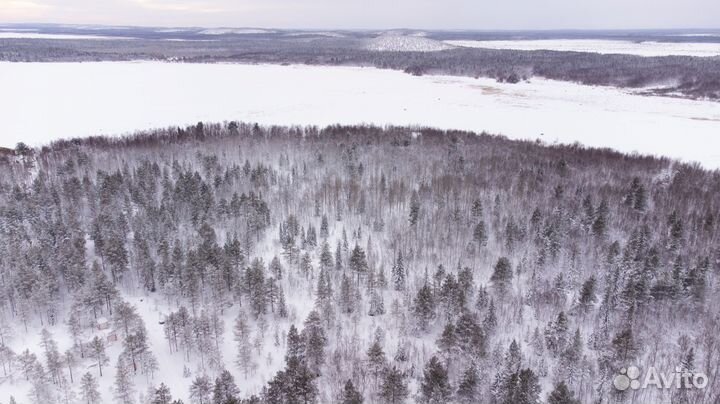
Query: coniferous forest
[235,263]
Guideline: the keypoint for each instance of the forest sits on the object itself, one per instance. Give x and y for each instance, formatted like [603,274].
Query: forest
[677,76]
[232,263]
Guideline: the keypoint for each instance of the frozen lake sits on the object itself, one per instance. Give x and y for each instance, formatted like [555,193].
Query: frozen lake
[45,101]
[646,48]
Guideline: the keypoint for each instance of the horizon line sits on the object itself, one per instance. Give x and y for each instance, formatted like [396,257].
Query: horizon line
[189,27]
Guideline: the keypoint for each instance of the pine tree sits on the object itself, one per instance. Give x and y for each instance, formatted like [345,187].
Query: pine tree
[556,334]
[116,255]
[587,294]
[282,307]
[480,234]
[394,389]
[477,208]
[435,386]
[624,347]
[161,395]
[200,390]
[376,359]
[424,307]
[414,208]
[124,388]
[255,281]
[448,340]
[381,280]
[276,268]
[600,224]
[70,361]
[272,293]
[135,347]
[225,391]
[513,358]
[688,361]
[468,386]
[295,345]
[398,273]
[89,389]
[350,395]
[241,332]
[561,395]
[295,384]
[125,318]
[451,297]
[27,361]
[326,257]
[338,257]
[483,299]
[471,337]
[97,351]
[41,392]
[520,387]
[306,267]
[314,339]
[324,227]
[637,197]
[358,261]
[490,321]
[502,275]
[52,355]
[377,305]
[528,388]
[347,295]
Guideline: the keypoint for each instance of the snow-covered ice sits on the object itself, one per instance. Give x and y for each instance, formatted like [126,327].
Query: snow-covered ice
[647,48]
[406,43]
[35,35]
[236,31]
[46,101]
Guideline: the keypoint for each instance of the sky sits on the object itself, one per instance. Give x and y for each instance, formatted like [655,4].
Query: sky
[372,14]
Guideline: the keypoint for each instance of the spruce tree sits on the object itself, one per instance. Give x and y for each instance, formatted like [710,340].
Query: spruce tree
[97,351]
[502,275]
[376,359]
[398,273]
[435,385]
[394,389]
[561,395]
[89,390]
[161,395]
[424,307]
[468,387]
[225,390]
[350,395]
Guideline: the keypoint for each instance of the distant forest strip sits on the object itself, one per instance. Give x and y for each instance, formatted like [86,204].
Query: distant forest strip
[680,76]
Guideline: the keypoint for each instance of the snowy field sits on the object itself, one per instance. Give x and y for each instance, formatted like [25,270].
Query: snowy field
[46,101]
[406,43]
[36,35]
[648,48]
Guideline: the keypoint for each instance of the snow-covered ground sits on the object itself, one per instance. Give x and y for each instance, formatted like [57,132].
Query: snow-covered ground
[405,43]
[46,101]
[648,48]
[329,34]
[35,35]
[237,31]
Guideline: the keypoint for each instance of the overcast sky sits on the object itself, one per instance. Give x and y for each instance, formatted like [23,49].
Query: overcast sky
[426,14]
